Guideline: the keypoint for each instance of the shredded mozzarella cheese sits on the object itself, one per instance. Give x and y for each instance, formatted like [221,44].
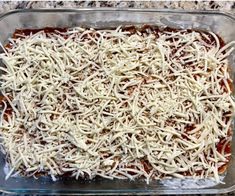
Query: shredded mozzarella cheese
[117,105]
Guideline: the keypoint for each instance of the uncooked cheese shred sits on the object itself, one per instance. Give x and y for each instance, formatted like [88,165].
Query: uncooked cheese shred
[116,104]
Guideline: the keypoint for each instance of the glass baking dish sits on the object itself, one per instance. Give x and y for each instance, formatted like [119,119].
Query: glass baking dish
[221,23]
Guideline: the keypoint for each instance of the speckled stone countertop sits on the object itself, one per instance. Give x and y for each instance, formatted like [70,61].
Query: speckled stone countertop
[226,6]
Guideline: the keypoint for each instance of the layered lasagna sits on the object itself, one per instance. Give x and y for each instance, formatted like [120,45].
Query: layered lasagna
[125,103]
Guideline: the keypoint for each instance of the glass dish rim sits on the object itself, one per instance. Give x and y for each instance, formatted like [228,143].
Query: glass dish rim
[176,11]
[126,191]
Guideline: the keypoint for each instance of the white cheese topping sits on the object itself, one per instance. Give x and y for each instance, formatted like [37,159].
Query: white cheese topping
[117,105]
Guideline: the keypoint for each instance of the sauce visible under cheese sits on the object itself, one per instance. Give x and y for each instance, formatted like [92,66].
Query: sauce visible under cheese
[117,103]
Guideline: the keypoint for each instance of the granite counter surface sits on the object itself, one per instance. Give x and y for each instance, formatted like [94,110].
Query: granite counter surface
[227,6]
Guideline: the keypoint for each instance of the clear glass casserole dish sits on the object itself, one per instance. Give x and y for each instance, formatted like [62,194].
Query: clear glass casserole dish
[218,22]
